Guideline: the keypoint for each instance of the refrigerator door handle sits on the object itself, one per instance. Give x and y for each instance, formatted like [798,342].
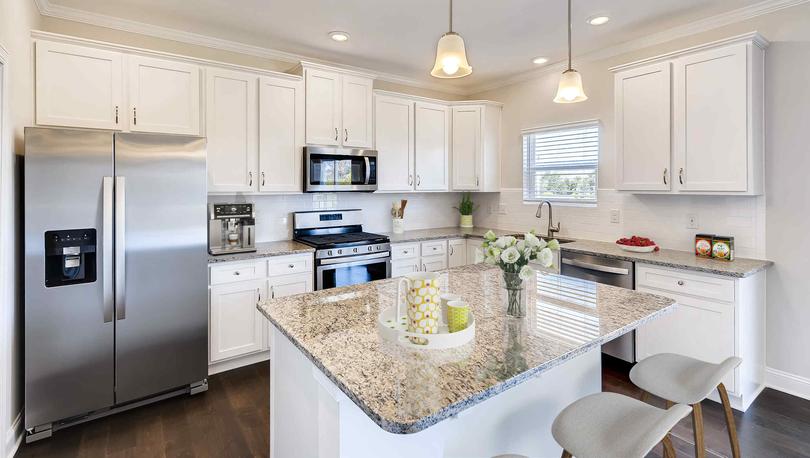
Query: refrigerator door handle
[120,249]
[107,248]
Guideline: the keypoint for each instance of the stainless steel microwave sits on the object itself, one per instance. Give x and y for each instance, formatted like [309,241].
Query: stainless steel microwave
[332,169]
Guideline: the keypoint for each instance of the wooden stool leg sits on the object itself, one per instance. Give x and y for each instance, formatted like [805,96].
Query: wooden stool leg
[732,428]
[566,454]
[697,420]
[669,404]
[644,396]
[669,450]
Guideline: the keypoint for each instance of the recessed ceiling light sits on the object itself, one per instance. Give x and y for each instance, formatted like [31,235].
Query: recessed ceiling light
[339,36]
[540,60]
[598,20]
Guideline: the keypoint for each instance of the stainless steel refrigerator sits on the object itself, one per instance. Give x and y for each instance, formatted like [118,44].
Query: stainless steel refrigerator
[116,310]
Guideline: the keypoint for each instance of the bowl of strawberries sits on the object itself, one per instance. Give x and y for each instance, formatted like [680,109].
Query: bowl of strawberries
[637,244]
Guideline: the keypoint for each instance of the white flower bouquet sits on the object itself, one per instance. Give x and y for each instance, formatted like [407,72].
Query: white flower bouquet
[513,256]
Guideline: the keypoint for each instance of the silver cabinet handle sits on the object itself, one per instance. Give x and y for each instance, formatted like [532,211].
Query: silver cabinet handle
[336,134]
[597,267]
[272,292]
[451,250]
[259,291]
[345,135]
[665,175]
[250,176]
[680,282]
[107,249]
[410,180]
[237,273]
[120,249]
[291,266]
[418,180]
[135,115]
[116,114]
[680,175]
[476,182]
[424,267]
[262,178]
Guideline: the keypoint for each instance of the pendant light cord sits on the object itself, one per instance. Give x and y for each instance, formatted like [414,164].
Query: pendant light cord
[451,15]
[570,26]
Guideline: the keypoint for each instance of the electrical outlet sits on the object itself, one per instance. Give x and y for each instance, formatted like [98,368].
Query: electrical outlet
[692,221]
[615,216]
[501,209]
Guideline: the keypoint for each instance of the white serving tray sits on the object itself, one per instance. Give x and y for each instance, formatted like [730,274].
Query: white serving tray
[396,331]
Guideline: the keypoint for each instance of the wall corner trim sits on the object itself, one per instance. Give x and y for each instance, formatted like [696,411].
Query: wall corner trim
[786,382]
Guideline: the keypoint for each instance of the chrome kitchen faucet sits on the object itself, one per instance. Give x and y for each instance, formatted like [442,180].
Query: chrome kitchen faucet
[551,228]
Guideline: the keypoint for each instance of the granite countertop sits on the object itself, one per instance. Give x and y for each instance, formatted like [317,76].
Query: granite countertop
[405,390]
[421,235]
[263,250]
[738,268]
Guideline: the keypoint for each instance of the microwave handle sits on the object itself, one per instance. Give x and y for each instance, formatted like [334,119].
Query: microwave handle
[368,169]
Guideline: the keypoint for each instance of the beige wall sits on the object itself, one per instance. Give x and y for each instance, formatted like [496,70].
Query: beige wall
[783,217]
[17,18]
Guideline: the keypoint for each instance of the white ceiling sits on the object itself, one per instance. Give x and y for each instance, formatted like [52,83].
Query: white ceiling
[399,37]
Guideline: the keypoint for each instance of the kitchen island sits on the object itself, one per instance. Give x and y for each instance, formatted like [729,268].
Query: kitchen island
[339,390]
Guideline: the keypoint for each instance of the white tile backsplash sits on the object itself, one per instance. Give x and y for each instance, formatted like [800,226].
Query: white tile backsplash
[274,212]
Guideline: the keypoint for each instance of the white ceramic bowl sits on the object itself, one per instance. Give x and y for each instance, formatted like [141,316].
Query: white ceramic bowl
[637,249]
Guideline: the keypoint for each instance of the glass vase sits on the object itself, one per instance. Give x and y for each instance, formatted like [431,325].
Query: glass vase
[515,294]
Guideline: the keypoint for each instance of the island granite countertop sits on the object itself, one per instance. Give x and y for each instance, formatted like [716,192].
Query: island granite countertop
[405,390]
[264,250]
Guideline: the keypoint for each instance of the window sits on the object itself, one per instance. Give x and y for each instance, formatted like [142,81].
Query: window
[560,163]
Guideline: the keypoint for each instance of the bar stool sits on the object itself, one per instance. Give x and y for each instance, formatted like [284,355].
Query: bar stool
[684,380]
[608,425]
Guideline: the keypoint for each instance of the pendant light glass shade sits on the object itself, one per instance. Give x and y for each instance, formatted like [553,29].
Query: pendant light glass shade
[570,88]
[451,58]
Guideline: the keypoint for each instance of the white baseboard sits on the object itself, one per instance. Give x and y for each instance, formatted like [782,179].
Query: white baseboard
[14,436]
[230,364]
[787,382]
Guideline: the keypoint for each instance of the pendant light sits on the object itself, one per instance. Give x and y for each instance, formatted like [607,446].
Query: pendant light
[451,58]
[570,88]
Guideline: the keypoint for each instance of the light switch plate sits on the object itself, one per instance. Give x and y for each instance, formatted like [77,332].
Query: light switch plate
[692,222]
[615,216]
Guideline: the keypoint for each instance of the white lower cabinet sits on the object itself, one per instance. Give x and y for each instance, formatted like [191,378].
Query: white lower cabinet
[238,332]
[456,252]
[715,317]
[432,255]
[475,253]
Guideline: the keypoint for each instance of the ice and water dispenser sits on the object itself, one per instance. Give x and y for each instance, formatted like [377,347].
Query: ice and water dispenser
[70,257]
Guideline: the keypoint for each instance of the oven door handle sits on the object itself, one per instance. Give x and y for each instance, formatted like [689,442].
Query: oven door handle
[368,169]
[351,260]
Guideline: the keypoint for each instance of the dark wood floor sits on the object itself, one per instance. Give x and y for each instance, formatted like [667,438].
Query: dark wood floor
[232,420]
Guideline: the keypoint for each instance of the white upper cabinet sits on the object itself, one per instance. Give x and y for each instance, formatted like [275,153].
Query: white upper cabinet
[281,134]
[356,111]
[164,96]
[232,130]
[78,86]
[323,109]
[716,113]
[466,148]
[716,99]
[643,106]
[339,108]
[432,124]
[394,140]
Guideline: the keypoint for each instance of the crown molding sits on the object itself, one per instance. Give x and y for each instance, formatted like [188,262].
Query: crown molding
[692,28]
[46,8]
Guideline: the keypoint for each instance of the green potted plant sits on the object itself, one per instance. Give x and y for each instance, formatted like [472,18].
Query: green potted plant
[466,209]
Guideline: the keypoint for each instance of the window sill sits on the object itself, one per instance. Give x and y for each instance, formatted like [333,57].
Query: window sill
[563,203]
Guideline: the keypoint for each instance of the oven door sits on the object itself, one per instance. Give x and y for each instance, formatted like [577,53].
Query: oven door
[352,270]
[335,169]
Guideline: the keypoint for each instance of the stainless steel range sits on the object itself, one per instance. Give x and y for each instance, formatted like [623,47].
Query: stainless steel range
[344,254]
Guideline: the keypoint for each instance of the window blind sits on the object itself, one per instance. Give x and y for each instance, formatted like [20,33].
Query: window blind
[560,163]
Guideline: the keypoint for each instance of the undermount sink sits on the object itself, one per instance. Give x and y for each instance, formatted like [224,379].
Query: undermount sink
[559,239]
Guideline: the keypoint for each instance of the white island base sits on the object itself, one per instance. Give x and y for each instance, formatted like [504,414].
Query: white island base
[311,417]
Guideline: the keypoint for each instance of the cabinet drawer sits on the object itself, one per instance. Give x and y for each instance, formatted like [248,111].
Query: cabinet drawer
[434,248]
[404,251]
[680,282]
[229,273]
[400,268]
[289,265]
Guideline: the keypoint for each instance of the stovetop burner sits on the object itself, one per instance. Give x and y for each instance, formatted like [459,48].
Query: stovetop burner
[341,240]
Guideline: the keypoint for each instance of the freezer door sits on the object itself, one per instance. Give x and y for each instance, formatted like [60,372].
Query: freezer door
[161,264]
[68,327]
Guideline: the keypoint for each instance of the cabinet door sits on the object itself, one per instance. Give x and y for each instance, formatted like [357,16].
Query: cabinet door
[432,147]
[289,285]
[236,325]
[434,263]
[164,96]
[78,87]
[643,105]
[466,148]
[696,328]
[357,115]
[322,107]
[404,267]
[457,252]
[394,137]
[281,134]
[475,253]
[711,120]
[232,130]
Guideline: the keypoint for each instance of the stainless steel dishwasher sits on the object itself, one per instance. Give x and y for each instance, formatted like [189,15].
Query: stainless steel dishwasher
[610,272]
